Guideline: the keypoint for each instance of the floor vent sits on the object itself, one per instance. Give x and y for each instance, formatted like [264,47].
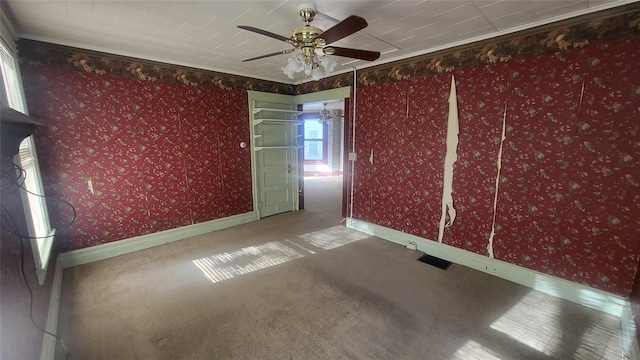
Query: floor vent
[437,262]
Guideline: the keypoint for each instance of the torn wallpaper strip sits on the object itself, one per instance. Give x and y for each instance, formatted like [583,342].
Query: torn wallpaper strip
[450,158]
[495,199]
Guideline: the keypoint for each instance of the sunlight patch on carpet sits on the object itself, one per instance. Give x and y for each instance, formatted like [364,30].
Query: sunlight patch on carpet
[534,323]
[592,345]
[224,266]
[333,237]
[473,350]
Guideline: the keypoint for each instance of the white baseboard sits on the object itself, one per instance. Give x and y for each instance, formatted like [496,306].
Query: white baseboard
[105,251]
[48,349]
[629,335]
[581,294]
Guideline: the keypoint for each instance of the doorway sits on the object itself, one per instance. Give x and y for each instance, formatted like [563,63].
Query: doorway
[323,138]
[277,156]
[323,158]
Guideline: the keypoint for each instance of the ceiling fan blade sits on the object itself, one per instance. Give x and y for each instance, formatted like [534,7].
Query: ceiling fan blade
[353,53]
[288,51]
[264,32]
[343,29]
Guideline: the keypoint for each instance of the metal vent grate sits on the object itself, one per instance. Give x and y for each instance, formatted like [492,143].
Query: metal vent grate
[434,261]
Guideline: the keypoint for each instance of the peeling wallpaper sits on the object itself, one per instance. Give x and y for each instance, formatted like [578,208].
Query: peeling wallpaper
[569,189]
[482,95]
[136,157]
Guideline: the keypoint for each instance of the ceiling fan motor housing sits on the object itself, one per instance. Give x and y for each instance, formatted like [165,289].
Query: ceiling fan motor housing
[306,34]
[307,12]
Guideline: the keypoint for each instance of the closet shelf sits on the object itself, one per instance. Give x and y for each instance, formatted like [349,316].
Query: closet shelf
[258,148]
[257,110]
[275,121]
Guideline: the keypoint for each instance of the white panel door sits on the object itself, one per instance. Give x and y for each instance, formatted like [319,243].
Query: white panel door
[276,142]
[275,168]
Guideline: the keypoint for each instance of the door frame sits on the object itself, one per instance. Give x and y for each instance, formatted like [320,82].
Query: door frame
[254,96]
[295,100]
[339,93]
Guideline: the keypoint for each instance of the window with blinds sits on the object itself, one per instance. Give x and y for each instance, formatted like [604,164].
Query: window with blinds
[33,199]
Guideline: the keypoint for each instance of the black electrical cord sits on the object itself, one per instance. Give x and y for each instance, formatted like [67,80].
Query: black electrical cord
[16,179]
[18,182]
[58,232]
[20,185]
[8,218]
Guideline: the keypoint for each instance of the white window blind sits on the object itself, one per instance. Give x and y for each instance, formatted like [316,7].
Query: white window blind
[35,206]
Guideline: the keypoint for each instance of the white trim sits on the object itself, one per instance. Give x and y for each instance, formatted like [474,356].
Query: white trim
[109,250]
[629,335]
[564,289]
[48,349]
[338,93]
[7,31]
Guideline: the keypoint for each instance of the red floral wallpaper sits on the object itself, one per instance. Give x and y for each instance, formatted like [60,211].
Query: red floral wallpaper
[568,198]
[157,155]
[421,155]
[569,191]
[543,110]
[376,107]
[482,94]
[401,189]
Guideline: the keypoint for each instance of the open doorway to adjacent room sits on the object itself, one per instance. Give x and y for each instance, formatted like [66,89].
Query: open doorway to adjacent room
[323,153]
[323,138]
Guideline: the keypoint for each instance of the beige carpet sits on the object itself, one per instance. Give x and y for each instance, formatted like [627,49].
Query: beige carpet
[300,286]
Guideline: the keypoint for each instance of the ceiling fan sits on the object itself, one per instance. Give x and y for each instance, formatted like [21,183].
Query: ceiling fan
[325,115]
[314,43]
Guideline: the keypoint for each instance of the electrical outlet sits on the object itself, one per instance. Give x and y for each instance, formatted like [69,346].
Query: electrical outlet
[353,156]
[412,245]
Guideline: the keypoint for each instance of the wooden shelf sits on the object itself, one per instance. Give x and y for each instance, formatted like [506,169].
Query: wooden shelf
[276,121]
[16,126]
[258,148]
[257,110]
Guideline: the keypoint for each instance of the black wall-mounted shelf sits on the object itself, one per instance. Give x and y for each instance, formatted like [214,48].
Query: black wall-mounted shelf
[14,127]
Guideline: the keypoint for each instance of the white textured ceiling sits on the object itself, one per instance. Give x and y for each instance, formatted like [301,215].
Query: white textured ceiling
[203,33]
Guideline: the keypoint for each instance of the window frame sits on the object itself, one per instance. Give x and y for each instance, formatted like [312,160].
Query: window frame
[324,140]
[41,234]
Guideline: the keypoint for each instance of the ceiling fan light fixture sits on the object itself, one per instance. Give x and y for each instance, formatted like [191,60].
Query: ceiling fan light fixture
[328,63]
[316,66]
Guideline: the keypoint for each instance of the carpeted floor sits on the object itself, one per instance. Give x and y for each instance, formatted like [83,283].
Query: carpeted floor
[301,286]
